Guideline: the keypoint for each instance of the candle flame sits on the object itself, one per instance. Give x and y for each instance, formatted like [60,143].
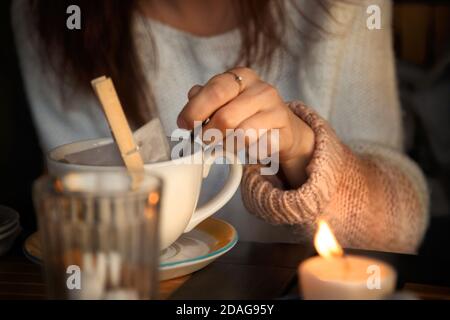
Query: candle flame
[325,242]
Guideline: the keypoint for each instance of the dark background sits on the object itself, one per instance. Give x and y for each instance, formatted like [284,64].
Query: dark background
[422,39]
[21,159]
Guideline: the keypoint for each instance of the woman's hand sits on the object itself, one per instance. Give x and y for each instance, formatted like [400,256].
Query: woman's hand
[251,104]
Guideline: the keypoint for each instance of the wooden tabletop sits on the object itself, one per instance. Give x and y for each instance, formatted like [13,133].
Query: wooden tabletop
[249,271]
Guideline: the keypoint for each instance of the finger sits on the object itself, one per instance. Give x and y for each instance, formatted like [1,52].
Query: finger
[259,97]
[263,125]
[218,91]
[194,91]
[257,135]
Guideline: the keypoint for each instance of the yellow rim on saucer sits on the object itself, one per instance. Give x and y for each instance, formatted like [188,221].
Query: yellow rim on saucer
[224,235]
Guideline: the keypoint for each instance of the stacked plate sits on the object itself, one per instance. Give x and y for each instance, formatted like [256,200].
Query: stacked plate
[9,228]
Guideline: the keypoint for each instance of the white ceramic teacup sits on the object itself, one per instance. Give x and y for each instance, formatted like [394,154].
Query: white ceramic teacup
[182,179]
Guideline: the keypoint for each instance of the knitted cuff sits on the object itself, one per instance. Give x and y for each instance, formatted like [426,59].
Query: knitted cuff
[267,200]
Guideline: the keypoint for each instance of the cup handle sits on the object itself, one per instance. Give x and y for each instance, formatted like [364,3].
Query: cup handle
[223,196]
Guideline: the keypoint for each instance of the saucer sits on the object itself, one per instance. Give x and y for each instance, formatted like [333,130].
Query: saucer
[191,252]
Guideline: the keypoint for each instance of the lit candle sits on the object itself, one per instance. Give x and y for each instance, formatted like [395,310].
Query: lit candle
[333,275]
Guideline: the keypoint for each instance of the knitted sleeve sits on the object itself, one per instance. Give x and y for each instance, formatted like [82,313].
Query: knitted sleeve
[368,200]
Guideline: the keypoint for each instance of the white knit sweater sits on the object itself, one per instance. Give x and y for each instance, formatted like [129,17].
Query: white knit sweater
[347,76]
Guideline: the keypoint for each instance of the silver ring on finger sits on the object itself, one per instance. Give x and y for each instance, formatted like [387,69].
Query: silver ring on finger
[238,79]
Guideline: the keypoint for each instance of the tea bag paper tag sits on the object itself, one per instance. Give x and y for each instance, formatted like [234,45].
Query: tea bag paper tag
[151,139]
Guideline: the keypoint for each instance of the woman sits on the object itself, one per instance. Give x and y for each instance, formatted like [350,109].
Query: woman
[321,52]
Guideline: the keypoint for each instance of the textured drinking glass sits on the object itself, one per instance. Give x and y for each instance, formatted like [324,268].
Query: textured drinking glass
[99,234]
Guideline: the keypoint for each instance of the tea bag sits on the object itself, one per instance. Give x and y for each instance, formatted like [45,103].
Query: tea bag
[151,139]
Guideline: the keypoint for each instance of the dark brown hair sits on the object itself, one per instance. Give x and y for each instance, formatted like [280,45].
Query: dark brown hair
[104,45]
